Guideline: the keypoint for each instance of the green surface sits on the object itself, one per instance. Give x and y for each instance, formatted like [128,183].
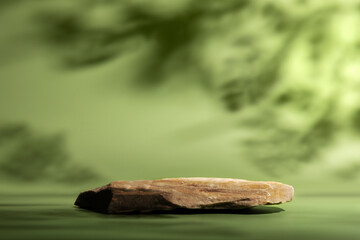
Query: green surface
[49,216]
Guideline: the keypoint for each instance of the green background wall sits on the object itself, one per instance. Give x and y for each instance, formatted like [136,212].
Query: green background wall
[95,91]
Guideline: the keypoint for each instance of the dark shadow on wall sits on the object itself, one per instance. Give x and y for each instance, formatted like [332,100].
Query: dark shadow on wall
[171,36]
[28,156]
[274,147]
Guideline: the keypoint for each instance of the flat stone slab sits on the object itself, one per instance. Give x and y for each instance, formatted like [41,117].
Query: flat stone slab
[183,193]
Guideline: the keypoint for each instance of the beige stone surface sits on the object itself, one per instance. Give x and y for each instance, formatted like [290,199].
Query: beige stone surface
[183,193]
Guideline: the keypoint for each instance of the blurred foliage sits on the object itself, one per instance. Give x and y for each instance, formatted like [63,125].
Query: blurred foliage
[97,31]
[25,156]
[286,61]
[288,70]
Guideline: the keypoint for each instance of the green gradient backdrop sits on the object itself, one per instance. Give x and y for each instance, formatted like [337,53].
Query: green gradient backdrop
[114,122]
[118,118]
[96,91]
